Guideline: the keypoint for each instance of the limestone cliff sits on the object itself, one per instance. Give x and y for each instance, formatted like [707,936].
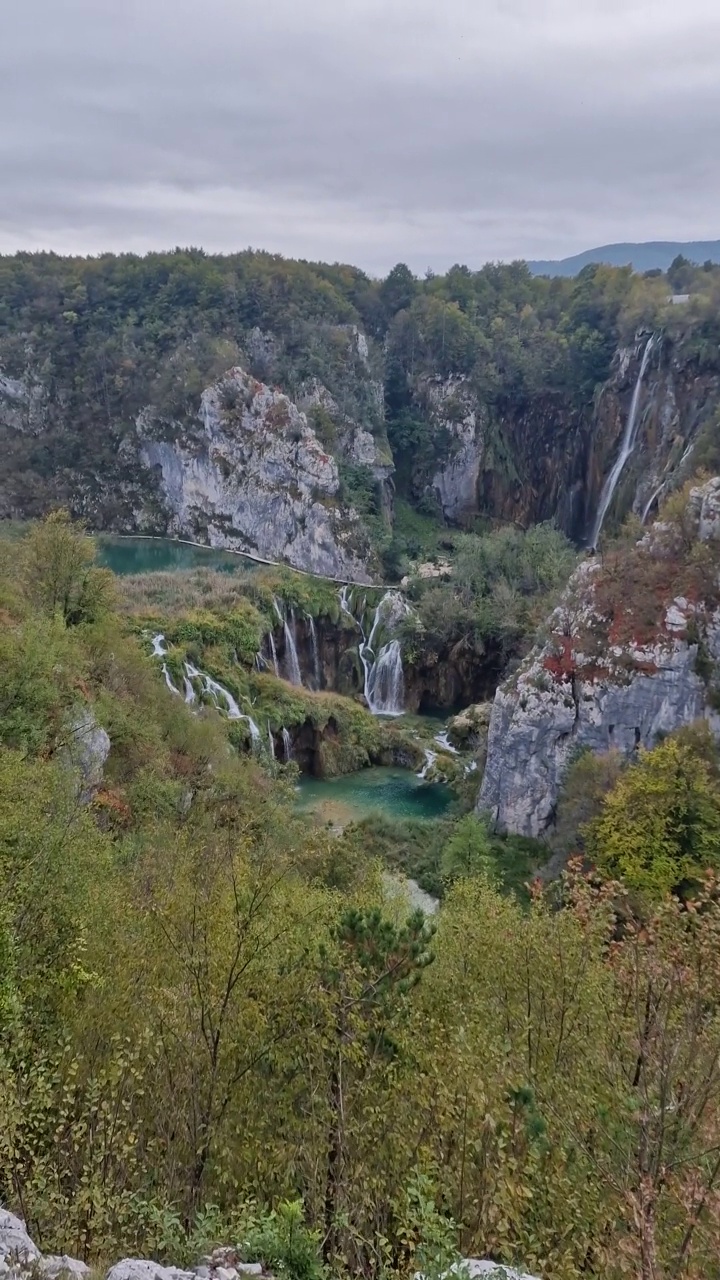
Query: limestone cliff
[678,398]
[527,460]
[633,652]
[253,476]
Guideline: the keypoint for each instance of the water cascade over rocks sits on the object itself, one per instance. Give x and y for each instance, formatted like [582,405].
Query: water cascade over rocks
[384,683]
[430,758]
[626,448]
[168,681]
[287,744]
[293,664]
[212,688]
[315,652]
[273,653]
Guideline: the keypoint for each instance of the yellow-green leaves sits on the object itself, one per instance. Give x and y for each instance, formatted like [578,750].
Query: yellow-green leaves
[660,825]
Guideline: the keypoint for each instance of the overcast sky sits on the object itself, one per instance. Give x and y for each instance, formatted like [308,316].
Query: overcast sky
[369,131]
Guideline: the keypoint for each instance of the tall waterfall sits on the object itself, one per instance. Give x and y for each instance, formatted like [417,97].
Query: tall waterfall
[287,744]
[291,655]
[271,742]
[315,653]
[384,682]
[628,444]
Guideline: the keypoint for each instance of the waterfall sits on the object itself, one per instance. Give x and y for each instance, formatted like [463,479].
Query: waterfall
[254,732]
[157,647]
[271,742]
[444,742]
[676,471]
[385,689]
[345,607]
[430,758]
[287,744]
[278,610]
[273,653]
[218,692]
[384,680]
[628,444]
[291,656]
[655,494]
[168,681]
[189,691]
[315,653]
[384,683]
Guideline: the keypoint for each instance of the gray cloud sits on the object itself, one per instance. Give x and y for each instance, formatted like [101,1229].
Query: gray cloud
[361,130]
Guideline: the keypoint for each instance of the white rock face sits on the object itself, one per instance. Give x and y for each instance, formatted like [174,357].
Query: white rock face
[23,403]
[54,1265]
[15,1243]
[705,508]
[625,697]
[143,1269]
[455,483]
[473,1267]
[88,748]
[254,477]
[494,1270]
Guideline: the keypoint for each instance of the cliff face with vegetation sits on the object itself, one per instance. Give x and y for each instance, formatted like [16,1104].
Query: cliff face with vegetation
[489,394]
[633,654]
[253,477]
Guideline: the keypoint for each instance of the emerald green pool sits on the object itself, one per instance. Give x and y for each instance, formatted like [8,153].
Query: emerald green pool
[156,555]
[396,793]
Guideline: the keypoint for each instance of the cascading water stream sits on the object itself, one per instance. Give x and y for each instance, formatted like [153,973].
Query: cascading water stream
[287,744]
[444,742]
[168,681]
[628,444]
[216,691]
[315,652]
[383,678]
[385,685]
[291,655]
[273,653]
[430,758]
[271,742]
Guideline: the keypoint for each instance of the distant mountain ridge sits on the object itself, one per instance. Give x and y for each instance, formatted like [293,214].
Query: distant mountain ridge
[642,257]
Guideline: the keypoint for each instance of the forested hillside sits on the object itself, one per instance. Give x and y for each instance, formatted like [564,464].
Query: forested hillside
[471,396]
[217,1026]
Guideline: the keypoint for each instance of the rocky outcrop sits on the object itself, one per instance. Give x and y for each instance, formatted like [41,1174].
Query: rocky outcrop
[347,439]
[86,750]
[633,653]
[15,1243]
[253,476]
[456,415]
[20,1259]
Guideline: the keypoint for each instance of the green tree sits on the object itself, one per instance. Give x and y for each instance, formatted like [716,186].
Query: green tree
[59,573]
[469,850]
[659,827]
